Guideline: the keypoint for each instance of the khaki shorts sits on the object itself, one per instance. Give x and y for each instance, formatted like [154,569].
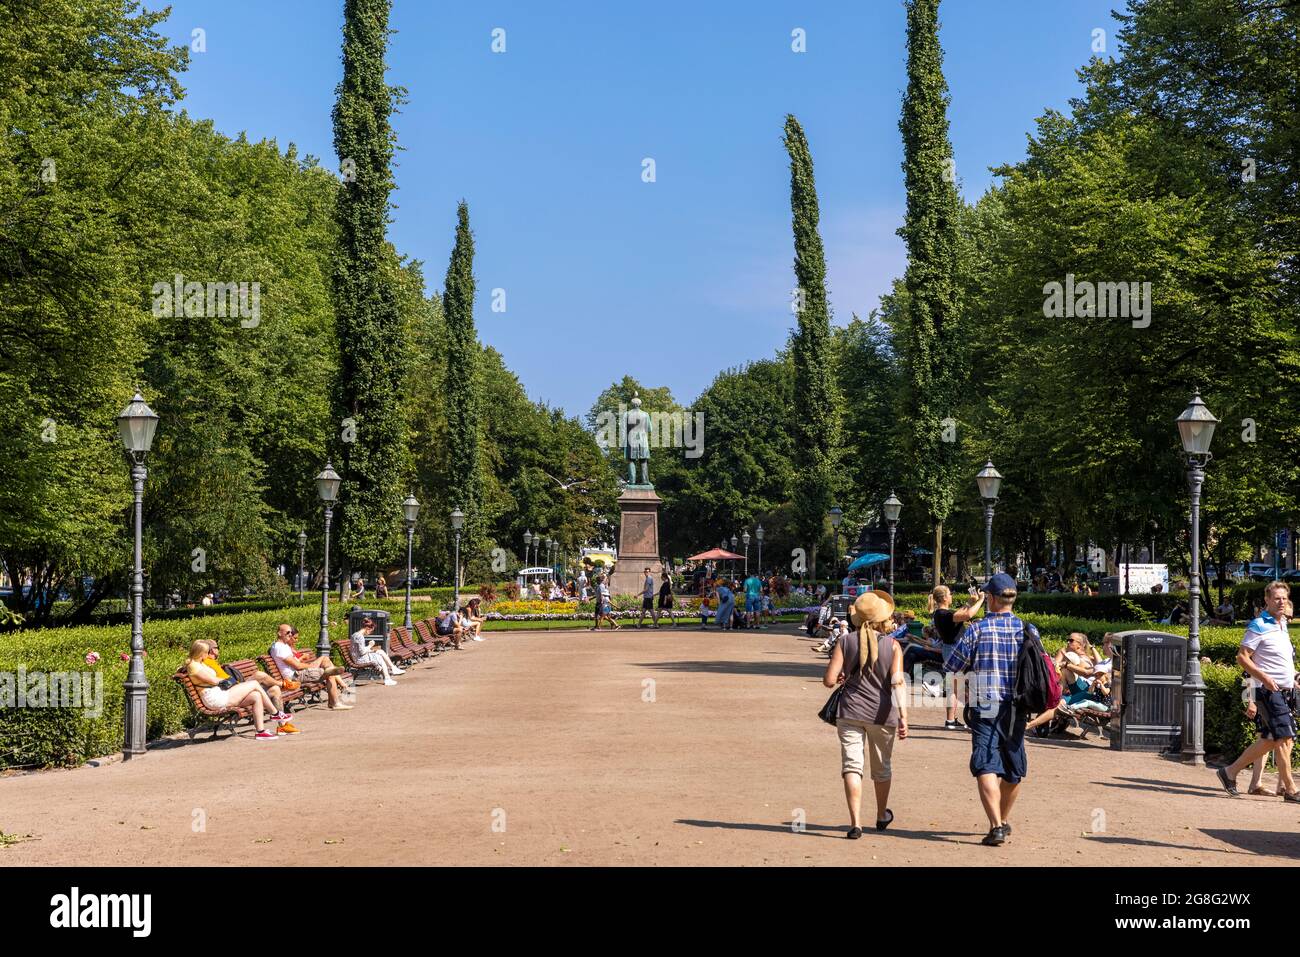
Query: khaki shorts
[856,737]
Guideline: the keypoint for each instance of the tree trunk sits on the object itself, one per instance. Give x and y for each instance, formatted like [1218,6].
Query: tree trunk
[938,553]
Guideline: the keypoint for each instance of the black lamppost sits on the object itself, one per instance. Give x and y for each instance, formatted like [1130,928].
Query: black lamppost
[137,424]
[410,511]
[758,534]
[327,487]
[302,564]
[989,481]
[893,508]
[457,523]
[1196,429]
[734,543]
[745,538]
[836,515]
[528,541]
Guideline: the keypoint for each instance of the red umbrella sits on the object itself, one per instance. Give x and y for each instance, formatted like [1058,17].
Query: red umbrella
[713,554]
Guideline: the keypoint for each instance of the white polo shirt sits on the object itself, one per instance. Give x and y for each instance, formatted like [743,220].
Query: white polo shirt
[1271,649]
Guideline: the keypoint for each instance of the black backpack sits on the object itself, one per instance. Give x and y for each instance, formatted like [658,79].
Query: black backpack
[1032,685]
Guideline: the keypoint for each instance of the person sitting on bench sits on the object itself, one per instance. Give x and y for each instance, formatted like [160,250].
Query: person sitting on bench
[1082,685]
[368,654]
[239,694]
[268,684]
[447,625]
[304,668]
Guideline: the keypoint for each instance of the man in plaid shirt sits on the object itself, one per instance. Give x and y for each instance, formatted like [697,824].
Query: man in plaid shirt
[987,650]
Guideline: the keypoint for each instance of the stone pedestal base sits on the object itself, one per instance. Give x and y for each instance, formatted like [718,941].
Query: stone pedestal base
[638,541]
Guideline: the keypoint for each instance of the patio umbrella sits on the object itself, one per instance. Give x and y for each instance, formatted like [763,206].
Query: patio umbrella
[714,554]
[867,560]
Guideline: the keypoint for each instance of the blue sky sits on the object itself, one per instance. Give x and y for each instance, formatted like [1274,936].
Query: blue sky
[604,274]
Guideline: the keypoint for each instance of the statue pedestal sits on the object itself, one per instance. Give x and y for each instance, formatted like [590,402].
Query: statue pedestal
[638,540]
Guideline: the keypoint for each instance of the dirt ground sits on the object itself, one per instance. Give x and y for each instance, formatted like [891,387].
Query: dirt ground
[670,747]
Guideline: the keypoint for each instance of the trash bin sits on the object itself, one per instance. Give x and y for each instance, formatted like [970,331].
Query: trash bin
[1108,585]
[1150,691]
[381,619]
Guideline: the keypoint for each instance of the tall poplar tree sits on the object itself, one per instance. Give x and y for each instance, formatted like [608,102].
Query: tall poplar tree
[370,440]
[463,385]
[817,400]
[930,231]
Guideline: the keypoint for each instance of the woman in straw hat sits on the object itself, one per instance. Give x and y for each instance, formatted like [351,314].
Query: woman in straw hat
[873,707]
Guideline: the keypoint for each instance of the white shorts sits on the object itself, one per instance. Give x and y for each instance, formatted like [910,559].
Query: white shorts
[218,699]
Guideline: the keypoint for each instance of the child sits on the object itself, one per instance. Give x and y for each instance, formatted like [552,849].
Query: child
[705,612]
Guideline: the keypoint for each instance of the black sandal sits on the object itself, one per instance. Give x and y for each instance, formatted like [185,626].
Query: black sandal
[854,833]
[881,825]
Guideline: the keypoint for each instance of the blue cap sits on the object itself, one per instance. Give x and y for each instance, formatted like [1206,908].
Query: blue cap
[1000,584]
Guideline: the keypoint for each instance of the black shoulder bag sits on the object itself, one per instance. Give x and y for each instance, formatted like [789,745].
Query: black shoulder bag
[830,711]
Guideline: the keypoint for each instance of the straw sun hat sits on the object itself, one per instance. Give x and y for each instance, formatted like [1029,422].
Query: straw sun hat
[869,608]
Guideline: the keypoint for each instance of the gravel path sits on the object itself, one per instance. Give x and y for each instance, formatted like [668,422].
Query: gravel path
[670,747]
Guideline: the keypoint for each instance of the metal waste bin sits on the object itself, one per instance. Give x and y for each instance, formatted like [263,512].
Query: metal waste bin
[381,619]
[1150,691]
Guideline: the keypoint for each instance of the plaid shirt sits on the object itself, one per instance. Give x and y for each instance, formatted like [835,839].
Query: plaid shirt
[988,649]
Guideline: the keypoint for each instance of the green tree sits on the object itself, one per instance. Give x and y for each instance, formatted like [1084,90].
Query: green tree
[463,384]
[371,332]
[930,231]
[816,398]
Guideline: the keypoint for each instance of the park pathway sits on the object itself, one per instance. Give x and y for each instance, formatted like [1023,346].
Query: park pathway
[640,747]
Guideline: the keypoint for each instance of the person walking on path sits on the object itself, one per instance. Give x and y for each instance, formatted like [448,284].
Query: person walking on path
[1268,657]
[665,599]
[873,706]
[648,600]
[604,607]
[726,606]
[987,649]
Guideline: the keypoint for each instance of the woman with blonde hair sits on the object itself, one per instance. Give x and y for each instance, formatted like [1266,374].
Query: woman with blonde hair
[945,626]
[873,705]
[243,694]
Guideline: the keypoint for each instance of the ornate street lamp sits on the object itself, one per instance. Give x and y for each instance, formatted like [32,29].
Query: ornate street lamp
[745,538]
[410,511]
[302,564]
[893,508]
[989,481]
[758,534]
[137,424]
[457,523]
[836,515]
[1196,429]
[327,487]
[528,541]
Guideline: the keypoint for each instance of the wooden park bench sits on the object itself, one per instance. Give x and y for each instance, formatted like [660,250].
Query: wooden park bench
[247,670]
[400,638]
[215,718]
[309,690]
[428,634]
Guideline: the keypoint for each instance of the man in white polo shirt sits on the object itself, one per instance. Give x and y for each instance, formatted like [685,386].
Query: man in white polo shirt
[1269,659]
